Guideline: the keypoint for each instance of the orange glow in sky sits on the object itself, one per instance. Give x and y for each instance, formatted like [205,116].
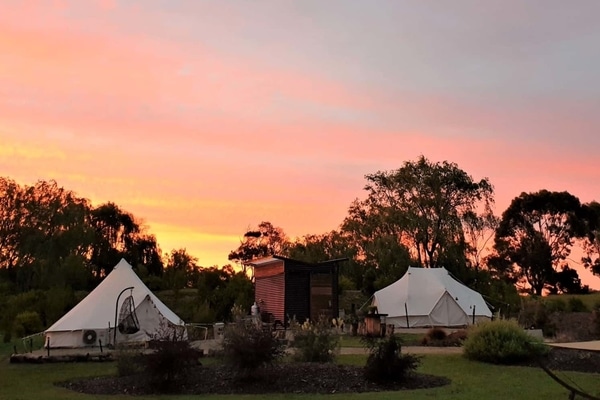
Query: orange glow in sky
[206,118]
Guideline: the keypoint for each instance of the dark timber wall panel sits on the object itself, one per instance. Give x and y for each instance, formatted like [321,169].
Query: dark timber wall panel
[321,299]
[297,298]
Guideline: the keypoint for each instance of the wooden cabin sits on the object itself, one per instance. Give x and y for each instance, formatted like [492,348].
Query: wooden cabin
[287,288]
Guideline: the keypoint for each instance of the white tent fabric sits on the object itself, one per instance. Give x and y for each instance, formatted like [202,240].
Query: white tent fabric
[96,313]
[432,297]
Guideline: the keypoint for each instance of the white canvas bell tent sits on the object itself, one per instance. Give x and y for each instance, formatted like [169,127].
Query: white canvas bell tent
[88,322]
[426,297]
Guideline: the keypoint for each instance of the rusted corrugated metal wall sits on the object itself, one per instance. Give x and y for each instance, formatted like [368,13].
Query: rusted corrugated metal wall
[269,290]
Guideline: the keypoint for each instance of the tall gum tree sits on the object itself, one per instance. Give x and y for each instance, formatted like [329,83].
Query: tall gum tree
[535,236]
[590,242]
[265,240]
[424,205]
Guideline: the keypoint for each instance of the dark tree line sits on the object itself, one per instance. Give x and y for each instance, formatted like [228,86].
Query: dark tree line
[432,214]
[51,237]
[55,246]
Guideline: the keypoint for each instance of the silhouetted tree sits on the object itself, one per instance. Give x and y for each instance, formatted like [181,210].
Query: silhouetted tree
[423,206]
[221,288]
[265,240]
[591,238]
[535,236]
[181,269]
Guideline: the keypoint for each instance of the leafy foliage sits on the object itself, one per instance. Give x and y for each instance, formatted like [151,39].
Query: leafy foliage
[535,237]
[219,289]
[575,304]
[385,362]
[501,342]
[435,334]
[265,240]
[166,368]
[591,239]
[247,347]
[315,342]
[423,205]
[329,246]
[27,323]
[169,364]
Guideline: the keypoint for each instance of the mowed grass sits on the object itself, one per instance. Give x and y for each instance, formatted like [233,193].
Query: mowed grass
[470,380]
[408,339]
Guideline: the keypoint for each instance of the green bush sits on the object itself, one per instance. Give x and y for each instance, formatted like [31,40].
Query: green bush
[501,342]
[575,304]
[165,369]
[247,347]
[169,365]
[316,342]
[386,363]
[434,337]
[555,305]
[533,314]
[27,323]
[439,337]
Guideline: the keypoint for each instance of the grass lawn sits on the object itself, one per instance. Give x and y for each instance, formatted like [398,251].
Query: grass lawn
[470,380]
[408,339]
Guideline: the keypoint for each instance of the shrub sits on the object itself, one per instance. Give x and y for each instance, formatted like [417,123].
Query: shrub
[439,337]
[247,347]
[501,342]
[169,365]
[27,323]
[315,342]
[555,305]
[434,337]
[166,368]
[575,304]
[456,338]
[386,363]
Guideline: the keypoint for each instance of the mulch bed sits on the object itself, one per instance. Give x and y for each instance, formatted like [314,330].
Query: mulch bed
[305,378]
[281,378]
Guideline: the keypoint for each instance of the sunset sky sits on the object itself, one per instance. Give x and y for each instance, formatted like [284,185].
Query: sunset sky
[204,118]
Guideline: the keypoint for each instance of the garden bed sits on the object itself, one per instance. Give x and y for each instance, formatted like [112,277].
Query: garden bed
[281,378]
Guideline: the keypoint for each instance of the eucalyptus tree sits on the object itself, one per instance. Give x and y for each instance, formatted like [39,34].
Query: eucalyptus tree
[181,269]
[329,246]
[115,231]
[265,240]
[11,221]
[535,236]
[424,206]
[53,233]
[591,239]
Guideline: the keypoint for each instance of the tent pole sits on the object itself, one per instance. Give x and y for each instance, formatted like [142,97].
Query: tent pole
[116,310]
[406,314]
[474,314]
